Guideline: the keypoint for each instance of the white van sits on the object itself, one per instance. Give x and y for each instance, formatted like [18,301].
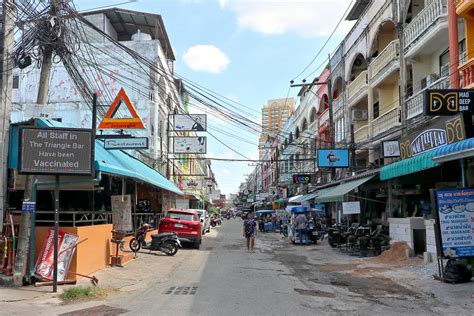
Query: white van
[205,220]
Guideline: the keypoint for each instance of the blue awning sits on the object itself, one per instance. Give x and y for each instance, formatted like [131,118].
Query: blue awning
[408,166]
[115,162]
[455,151]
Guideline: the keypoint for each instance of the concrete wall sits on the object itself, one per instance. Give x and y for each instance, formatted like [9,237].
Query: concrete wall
[430,237]
[401,229]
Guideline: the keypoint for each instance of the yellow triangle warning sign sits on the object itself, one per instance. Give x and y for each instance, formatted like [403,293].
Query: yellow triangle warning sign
[108,122]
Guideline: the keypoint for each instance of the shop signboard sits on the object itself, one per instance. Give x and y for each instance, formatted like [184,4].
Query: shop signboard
[214,196]
[189,145]
[391,148]
[45,263]
[56,151]
[333,158]
[302,178]
[190,122]
[110,121]
[320,209]
[28,207]
[192,184]
[126,143]
[349,208]
[122,212]
[448,101]
[455,216]
[440,132]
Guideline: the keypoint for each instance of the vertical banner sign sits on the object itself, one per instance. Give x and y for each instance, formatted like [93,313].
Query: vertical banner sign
[122,212]
[45,263]
[456,222]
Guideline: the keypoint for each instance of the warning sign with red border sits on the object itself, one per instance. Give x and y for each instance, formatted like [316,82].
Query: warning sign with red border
[109,122]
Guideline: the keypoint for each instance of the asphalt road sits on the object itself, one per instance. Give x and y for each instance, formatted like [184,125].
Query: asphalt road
[222,278]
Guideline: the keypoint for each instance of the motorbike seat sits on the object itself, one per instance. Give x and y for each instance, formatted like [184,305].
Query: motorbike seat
[161,235]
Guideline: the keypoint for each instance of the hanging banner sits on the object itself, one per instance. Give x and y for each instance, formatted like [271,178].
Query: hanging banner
[456,222]
[189,145]
[45,263]
[122,212]
[192,184]
[190,122]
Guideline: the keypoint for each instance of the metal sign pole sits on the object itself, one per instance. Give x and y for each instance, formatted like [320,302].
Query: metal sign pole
[56,231]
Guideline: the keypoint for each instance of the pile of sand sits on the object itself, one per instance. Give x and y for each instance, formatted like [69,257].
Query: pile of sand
[395,255]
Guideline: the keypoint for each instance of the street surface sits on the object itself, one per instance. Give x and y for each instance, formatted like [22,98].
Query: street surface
[222,278]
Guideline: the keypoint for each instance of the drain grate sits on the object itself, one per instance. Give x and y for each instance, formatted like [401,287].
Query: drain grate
[182,290]
[101,310]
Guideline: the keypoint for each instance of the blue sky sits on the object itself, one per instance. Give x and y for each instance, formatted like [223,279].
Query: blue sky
[246,50]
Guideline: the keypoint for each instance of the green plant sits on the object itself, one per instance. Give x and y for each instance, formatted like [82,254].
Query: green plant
[82,292]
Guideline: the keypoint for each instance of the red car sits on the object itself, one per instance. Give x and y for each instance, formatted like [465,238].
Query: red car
[185,223]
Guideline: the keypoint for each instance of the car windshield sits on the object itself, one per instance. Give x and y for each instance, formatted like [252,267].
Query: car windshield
[182,216]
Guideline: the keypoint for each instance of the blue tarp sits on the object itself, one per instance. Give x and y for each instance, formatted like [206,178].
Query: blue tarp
[265,212]
[297,209]
[115,162]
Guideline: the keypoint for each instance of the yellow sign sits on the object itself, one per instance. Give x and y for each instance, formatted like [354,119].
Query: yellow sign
[109,122]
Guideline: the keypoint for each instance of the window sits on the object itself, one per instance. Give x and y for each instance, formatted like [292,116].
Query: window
[16,81]
[376,109]
[443,62]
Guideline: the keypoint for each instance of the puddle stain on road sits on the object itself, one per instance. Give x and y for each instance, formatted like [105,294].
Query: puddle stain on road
[314,293]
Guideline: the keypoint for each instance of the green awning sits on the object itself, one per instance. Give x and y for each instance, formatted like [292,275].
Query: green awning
[408,166]
[336,194]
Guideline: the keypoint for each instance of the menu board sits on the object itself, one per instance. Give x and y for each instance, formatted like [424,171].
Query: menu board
[456,222]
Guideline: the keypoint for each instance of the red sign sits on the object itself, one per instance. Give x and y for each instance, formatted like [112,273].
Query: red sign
[45,263]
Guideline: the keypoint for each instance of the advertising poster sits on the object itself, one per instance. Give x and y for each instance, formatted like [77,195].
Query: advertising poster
[333,158]
[456,222]
[190,122]
[349,208]
[45,263]
[122,212]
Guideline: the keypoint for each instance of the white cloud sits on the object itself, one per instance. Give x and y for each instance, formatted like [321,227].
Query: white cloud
[307,18]
[206,58]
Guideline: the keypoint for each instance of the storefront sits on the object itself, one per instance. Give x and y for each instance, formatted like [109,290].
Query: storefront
[86,205]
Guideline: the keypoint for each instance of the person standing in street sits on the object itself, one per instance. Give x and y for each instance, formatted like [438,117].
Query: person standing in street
[300,223]
[250,231]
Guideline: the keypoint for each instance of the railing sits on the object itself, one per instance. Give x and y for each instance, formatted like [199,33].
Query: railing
[324,118]
[467,74]
[337,103]
[386,121]
[423,20]
[415,103]
[69,218]
[356,86]
[389,54]
[361,134]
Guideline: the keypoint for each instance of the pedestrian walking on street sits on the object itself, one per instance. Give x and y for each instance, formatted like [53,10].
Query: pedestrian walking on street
[250,231]
[301,222]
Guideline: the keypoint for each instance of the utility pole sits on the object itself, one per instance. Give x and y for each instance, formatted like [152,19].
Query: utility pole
[5,98]
[401,54]
[21,259]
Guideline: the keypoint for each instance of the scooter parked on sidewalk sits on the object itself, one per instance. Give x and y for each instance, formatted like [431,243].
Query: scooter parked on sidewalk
[167,243]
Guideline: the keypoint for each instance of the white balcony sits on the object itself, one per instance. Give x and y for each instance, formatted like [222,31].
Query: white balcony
[357,88]
[386,62]
[361,134]
[324,118]
[337,103]
[426,27]
[386,121]
[415,102]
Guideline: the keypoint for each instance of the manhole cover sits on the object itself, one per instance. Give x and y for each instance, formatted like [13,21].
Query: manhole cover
[182,290]
[101,310]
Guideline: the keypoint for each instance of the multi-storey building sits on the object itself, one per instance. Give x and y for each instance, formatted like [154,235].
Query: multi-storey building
[274,116]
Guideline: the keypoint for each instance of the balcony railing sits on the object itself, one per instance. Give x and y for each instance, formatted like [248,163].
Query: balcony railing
[467,74]
[357,86]
[415,102]
[361,134]
[386,121]
[324,118]
[337,103]
[388,56]
[423,20]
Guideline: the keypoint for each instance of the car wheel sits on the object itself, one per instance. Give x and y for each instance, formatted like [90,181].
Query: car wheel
[197,244]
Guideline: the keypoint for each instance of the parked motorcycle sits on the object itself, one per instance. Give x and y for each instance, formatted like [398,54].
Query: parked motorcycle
[335,235]
[167,243]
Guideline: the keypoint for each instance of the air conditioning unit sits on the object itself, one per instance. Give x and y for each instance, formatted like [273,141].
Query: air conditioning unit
[429,80]
[359,115]
[444,70]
